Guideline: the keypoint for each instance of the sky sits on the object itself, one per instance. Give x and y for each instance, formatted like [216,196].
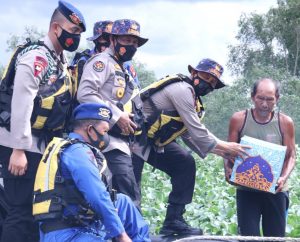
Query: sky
[180,32]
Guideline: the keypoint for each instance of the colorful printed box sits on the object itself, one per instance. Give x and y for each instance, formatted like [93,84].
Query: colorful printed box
[262,168]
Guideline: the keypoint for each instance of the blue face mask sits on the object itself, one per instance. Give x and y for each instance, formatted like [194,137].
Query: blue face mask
[201,87]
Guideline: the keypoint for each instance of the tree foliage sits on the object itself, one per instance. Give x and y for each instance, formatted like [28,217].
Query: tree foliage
[268,46]
[271,39]
[30,32]
[146,77]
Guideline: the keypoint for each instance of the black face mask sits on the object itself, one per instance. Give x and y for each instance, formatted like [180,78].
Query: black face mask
[101,142]
[125,52]
[98,46]
[69,41]
[201,87]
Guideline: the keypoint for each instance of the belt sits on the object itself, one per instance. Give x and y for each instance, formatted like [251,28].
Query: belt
[50,226]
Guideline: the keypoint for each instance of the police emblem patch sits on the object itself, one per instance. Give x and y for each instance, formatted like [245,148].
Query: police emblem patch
[98,66]
[40,64]
[75,19]
[104,112]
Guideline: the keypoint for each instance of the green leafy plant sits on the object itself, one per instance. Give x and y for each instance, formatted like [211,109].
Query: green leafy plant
[213,208]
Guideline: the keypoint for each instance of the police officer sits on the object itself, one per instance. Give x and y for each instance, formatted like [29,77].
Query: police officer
[173,108]
[101,32]
[80,164]
[30,109]
[105,79]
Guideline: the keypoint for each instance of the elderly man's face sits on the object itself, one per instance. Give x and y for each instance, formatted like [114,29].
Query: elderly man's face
[265,98]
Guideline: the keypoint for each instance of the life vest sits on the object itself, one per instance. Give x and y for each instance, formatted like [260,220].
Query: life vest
[165,126]
[77,65]
[130,102]
[52,103]
[53,193]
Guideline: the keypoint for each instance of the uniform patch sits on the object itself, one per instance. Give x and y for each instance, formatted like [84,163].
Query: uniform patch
[40,64]
[98,66]
[104,112]
[117,67]
[75,19]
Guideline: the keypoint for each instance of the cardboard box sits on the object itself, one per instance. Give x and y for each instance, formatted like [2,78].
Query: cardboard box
[262,168]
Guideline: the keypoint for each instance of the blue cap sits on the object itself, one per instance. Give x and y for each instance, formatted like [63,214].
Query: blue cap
[95,111]
[100,28]
[211,67]
[128,27]
[72,14]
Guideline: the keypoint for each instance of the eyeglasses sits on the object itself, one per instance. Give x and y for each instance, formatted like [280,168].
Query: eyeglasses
[208,78]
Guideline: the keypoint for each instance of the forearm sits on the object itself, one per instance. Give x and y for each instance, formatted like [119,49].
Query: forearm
[288,167]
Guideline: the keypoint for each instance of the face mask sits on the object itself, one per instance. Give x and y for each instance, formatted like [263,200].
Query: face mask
[69,41]
[125,52]
[101,46]
[101,142]
[201,87]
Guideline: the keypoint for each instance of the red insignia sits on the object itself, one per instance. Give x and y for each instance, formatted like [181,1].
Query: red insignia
[196,82]
[75,19]
[98,66]
[40,64]
[132,71]
[122,51]
[69,41]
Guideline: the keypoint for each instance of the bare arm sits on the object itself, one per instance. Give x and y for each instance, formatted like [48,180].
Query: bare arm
[288,130]
[235,126]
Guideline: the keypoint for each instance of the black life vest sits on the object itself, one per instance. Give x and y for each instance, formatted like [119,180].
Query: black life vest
[165,126]
[52,103]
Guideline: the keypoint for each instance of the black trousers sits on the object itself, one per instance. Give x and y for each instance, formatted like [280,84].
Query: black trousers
[123,179]
[271,208]
[179,164]
[19,225]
